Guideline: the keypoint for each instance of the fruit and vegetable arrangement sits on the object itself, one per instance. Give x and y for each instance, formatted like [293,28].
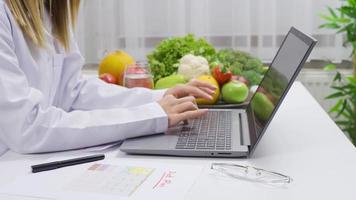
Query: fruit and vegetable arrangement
[112,67]
[164,60]
[178,60]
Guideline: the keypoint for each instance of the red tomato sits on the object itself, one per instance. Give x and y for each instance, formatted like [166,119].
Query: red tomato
[108,78]
[221,74]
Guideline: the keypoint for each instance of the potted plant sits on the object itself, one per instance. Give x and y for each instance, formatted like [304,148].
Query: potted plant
[343,19]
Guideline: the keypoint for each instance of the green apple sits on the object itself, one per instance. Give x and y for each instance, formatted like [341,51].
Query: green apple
[262,106]
[234,92]
[170,81]
[264,69]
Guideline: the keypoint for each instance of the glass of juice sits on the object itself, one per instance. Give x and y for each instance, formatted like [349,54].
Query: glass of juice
[138,75]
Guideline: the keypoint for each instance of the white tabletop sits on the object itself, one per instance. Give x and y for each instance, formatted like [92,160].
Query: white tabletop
[302,142]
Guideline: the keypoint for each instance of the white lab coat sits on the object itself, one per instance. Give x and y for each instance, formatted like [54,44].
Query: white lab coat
[46,105]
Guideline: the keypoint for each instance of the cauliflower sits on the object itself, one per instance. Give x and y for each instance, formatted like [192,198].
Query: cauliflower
[191,66]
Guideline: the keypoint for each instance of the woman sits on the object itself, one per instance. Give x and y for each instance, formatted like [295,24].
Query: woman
[45,104]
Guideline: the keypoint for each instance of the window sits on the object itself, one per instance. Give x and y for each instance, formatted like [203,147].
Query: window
[256,26]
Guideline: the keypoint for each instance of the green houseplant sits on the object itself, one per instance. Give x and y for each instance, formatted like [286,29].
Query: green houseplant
[343,19]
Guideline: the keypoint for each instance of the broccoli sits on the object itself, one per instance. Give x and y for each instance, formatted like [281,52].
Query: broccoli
[242,63]
[252,76]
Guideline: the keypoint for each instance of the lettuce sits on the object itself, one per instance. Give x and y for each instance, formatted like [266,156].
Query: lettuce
[164,60]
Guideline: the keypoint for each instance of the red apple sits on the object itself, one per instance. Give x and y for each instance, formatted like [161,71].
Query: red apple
[108,78]
[241,79]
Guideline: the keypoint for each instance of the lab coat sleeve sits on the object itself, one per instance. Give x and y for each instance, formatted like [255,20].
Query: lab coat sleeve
[27,125]
[77,92]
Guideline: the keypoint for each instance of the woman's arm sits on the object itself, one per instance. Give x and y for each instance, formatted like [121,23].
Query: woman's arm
[27,126]
[77,92]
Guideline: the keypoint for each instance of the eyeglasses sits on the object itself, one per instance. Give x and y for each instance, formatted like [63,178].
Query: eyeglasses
[250,173]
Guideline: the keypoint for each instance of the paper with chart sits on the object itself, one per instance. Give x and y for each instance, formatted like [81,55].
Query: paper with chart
[121,179]
[110,179]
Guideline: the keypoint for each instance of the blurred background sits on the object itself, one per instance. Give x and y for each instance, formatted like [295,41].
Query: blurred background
[254,26]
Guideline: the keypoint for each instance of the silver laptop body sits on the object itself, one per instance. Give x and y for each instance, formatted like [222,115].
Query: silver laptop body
[233,132]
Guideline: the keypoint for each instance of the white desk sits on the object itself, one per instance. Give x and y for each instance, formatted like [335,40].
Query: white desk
[302,141]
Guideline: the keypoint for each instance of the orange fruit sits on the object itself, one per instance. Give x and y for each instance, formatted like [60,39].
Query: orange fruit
[211,80]
[114,64]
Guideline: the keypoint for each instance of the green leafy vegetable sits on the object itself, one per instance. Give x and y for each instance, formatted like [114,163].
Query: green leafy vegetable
[164,60]
[242,63]
[252,76]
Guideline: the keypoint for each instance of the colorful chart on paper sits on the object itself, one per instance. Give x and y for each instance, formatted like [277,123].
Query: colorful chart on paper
[110,179]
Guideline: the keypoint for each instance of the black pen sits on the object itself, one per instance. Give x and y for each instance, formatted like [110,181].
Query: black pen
[65,163]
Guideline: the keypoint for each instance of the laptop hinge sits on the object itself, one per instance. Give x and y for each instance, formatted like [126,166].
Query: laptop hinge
[244,129]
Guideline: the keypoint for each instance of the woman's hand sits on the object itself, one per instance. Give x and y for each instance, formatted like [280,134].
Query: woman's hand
[179,102]
[196,88]
[180,109]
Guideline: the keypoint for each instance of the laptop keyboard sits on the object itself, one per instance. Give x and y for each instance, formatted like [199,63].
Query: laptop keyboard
[212,132]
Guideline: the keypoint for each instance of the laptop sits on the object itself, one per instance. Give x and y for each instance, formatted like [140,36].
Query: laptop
[233,132]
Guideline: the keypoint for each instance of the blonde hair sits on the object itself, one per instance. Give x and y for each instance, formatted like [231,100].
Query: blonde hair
[29,15]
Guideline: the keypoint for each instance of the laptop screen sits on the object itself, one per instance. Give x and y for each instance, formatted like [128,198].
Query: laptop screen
[283,70]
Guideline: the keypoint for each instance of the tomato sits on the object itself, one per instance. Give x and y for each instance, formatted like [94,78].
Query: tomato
[108,78]
[115,64]
[221,74]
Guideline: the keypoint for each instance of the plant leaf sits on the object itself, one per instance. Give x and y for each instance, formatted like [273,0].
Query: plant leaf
[336,107]
[343,122]
[327,18]
[349,129]
[345,28]
[344,103]
[343,20]
[332,12]
[337,77]
[330,25]
[349,112]
[341,88]
[352,80]
[348,11]
[352,2]
[335,95]
[330,67]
